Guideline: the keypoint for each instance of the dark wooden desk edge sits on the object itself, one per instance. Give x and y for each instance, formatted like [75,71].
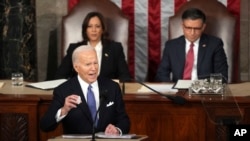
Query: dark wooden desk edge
[126,97]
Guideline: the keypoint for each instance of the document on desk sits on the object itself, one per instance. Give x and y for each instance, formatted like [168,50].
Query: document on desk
[76,136]
[98,135]
[183,84]
[1,84]
[124,136]
[163,88]
[46,85]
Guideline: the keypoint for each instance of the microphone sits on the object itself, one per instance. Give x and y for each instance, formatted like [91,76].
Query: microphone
[103,97]
[176,99]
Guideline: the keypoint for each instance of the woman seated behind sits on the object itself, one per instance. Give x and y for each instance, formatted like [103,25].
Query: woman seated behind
[110,54]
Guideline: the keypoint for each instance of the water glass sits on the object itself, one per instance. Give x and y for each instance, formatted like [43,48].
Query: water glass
[17,79]
[216,82]
[216,78]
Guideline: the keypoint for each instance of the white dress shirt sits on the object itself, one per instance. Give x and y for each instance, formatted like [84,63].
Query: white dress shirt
[98,49]
[95,90]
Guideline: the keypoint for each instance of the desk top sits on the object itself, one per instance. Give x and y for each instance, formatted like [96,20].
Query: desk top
[9,89]
[238,90]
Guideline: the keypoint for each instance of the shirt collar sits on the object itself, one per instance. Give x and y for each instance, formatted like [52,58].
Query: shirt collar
[85,84]
[98,45]
[196,43]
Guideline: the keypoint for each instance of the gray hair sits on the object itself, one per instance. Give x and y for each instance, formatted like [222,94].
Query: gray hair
[79,50]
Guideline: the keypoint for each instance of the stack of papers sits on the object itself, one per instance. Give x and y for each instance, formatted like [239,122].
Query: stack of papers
[124,136]
[183,84]
[162,88]
[1,84]
[99,135]
[47,85]
[76,136]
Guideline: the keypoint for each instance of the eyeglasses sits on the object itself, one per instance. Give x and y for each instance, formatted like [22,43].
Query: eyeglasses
[192,28]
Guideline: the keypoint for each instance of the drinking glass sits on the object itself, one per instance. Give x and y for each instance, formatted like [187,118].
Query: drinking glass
[17,79]
[216,78]
[216,82]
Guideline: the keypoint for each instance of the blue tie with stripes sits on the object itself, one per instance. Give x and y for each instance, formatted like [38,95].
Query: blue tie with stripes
[91,102]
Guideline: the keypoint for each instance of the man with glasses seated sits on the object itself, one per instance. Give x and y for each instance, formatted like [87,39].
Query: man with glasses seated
[194,55]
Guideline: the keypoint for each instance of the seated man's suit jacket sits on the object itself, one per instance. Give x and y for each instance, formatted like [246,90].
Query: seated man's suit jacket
[78,120]
[211,59]
[113,65]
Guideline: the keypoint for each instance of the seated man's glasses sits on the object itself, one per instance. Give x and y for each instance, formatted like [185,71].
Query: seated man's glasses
[192,28]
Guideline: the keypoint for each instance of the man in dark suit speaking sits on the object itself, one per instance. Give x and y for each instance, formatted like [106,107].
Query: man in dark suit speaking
[86,100]
[194,55]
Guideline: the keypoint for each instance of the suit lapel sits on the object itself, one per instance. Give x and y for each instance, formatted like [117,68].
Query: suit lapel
[102,108]
[105,54]
[182,55]
[201,51]
[83,106]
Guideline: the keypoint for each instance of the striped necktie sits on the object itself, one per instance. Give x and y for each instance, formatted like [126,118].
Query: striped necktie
[91,102]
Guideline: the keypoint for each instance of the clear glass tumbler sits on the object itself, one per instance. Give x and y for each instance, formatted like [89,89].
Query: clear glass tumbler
[17,79]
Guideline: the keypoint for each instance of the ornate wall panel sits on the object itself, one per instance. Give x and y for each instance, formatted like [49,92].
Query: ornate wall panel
[17,39]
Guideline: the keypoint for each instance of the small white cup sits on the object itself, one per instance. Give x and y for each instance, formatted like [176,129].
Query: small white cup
[17,79]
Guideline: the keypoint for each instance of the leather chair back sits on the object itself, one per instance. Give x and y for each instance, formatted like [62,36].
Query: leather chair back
[116,22]
[220,23]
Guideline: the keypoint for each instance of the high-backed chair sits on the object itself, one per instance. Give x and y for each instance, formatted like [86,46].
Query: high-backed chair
[116,22]
[220,23]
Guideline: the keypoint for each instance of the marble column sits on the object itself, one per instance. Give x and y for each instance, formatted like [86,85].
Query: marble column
[18,38]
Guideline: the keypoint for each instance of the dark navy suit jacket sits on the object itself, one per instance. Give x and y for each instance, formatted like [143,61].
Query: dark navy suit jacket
[113,65]
[211,59]
[78,120]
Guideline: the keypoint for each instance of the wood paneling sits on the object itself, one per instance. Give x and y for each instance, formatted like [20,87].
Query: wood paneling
[21,113]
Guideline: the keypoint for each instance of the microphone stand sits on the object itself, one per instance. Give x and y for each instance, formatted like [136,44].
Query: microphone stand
[123,87]
[93,126]
[122,82]
[103,97]
[176,99]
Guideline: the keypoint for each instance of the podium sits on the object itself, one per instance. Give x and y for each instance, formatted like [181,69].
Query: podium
[193,121]
[137,138]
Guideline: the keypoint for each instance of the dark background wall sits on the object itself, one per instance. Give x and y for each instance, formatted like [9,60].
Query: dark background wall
[18,41]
